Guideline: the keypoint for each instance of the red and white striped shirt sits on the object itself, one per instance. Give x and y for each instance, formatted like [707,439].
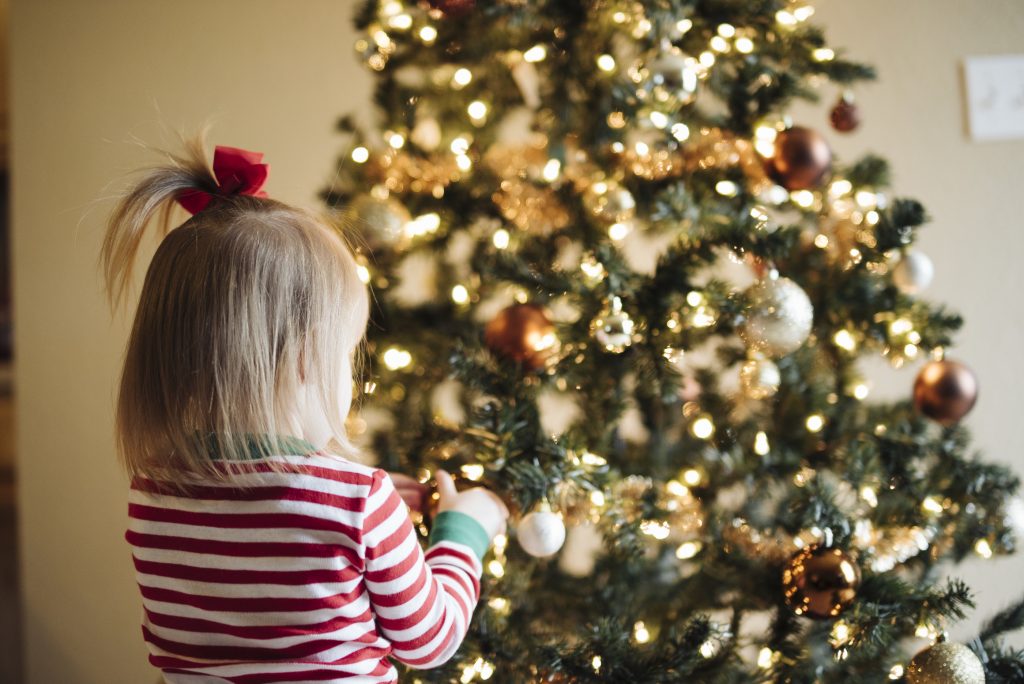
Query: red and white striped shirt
[313,574]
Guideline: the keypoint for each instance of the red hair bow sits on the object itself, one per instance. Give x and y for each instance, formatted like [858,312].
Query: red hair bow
[238,172]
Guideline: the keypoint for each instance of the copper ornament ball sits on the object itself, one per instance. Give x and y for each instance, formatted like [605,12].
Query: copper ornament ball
[945,391]
[453,8]
[820,582]
[801,159]
[524,334]
[845,115]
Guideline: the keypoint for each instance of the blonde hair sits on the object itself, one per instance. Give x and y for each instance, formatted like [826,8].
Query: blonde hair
[238,302]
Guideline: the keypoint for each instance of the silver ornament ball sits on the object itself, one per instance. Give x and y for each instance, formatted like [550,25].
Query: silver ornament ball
[913,273]
[673,78]
[613,328]
[381,221]
[541,533]
[779,317]
[759,378]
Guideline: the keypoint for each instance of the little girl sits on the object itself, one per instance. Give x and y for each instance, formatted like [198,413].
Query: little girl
[261,556]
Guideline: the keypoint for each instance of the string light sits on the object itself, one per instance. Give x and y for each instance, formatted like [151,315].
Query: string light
[462,77]
[496,568]
[552,169]
[761,446]
[619,231]
[744,45]
[680,131]
[823,54]
[726,30]
[396,358]
[597,498]
[703,427]
[692,477]
[606,62]
[396,140]
[932,505]
[428,34]
[477,111]
[719,44]
[765,658]
[473,471]
[424,224]
[596,663]
[684,25]
[360,155]
[640,632]
[896,672]
[460,295]
[402,22]
[535,54]
[659,120]
[983,548]
[815,422]
[845,340]
[688,550]
[726,188]
[501,238]
[364,273]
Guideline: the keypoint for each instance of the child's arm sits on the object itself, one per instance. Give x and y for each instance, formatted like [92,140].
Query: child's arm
[422,603]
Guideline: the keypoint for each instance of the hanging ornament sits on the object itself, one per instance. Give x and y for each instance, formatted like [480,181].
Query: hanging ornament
[610,202]
[524,334]
[541,533]
[946,662]
[779,317]
[612,327]
[759,377]
[820,582]
[801,159]
[453,8]
[672,78]
[945,391]
[914,272]
[381,221]
[845,115]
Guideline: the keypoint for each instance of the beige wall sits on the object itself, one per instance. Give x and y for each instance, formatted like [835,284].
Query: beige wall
[273,76]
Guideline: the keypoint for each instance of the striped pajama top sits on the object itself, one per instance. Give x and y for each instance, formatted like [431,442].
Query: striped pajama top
[307,573]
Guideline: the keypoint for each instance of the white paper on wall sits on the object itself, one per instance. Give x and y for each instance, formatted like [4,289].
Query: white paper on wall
[995,97]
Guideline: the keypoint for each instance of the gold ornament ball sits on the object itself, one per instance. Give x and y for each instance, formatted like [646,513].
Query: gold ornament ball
[613,328]
[946,662]
[381,221]
[524,334]
[820,582]
[759,378]
[945,391]
[801,159]
[610,202]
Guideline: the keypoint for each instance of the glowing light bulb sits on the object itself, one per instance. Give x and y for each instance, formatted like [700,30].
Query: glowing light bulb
[460,295]
[703,428]
[761,446]
[726,188]
[983,548]
[680,131]
[473,471]
[823,54]
[692,477]
[551,170]
[501,238]
[844,339]
[606,63]
[726,30]
[477,111]
[396,140]
[360,155]
[765,658]
[428,34]
[396,358]
[364,273]
[688,550]
[640,632]
[462,77]
[535,54]
[815,422]
[744,45]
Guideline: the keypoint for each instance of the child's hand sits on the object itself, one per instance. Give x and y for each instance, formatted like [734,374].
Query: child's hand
[413,492]
[480,503]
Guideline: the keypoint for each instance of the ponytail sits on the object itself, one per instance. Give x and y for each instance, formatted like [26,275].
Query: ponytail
[155,193]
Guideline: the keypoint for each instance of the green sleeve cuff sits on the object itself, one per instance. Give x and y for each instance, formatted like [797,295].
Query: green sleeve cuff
[462,529]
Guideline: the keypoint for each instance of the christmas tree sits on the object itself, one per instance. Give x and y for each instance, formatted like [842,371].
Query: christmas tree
[616,284]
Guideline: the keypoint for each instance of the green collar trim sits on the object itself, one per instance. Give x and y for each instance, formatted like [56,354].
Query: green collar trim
[260,446]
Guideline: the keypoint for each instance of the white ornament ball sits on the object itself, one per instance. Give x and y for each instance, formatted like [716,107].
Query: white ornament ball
[541,533]
[914,272]
[779,318]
